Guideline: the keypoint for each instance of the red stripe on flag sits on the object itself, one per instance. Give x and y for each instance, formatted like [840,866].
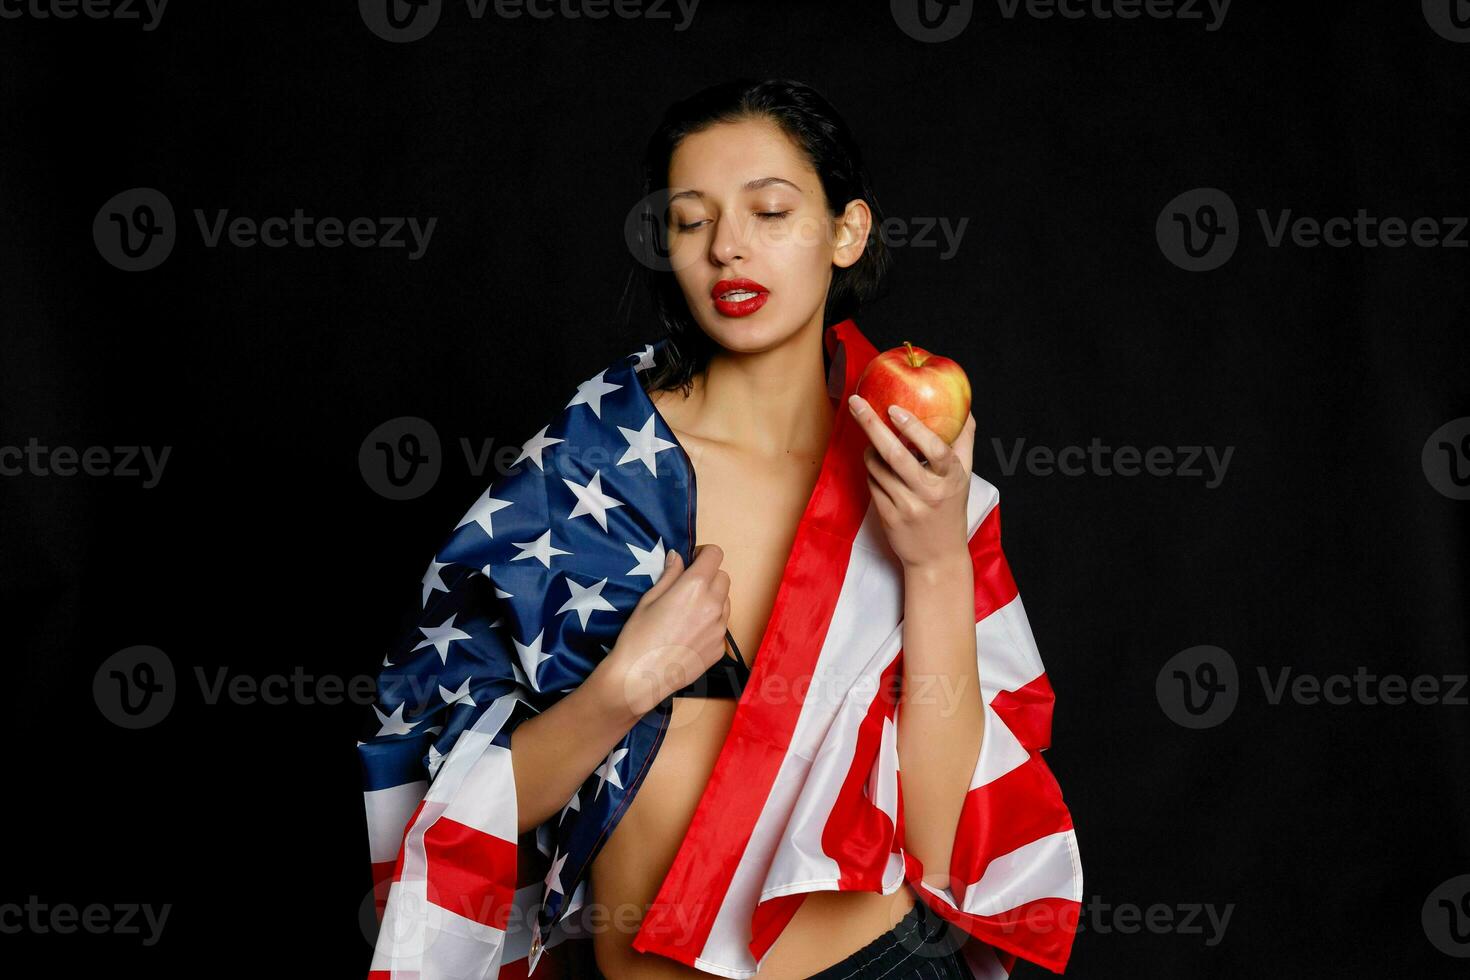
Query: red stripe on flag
[1027,712]
[1017,809]
[470,872]
[994,585]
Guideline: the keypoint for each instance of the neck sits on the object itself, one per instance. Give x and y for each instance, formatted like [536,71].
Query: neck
[771,403]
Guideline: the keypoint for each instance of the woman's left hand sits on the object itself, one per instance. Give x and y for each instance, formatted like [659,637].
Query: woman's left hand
[922,507]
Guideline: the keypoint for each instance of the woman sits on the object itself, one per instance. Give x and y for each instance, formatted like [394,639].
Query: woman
[769,250]
[770,227]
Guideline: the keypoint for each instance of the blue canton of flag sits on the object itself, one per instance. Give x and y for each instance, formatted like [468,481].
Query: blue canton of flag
[522,600]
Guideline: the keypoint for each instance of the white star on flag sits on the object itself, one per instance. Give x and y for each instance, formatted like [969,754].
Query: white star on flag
[644,446]
[591,500]
[650,563]
[394,724]
[432,581]
[541,549]
[645,358]
[436,758]
[481,511]
[532,449]
[590,393]
[461,696]
[585,601]
[608,771]
[531,657]
[553,876]
[441,636]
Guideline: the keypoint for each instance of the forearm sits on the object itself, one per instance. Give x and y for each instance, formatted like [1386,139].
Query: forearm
[554,752]
[941,717]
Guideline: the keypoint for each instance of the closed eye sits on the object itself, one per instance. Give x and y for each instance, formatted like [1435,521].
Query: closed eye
[763,215]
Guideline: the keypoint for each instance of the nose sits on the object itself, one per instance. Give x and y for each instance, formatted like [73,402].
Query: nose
[728,244]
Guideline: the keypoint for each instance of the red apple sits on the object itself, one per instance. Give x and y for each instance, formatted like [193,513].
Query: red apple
[934,389]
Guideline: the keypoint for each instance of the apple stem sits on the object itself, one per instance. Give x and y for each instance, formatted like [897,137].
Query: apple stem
[913,358]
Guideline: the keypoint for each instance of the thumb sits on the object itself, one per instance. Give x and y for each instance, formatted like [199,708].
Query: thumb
[673,566]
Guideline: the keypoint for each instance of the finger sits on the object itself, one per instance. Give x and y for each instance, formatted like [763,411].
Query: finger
[673,567]
[936,451]
[720,582]
[879,471]
[707,558]
[881,498]
[887,444]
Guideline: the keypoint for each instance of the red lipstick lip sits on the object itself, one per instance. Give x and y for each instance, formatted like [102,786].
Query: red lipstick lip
[744,307]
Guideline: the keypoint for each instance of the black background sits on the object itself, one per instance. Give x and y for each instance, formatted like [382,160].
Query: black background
[264,550]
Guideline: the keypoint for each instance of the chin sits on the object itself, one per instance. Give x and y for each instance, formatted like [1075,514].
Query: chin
[749,335]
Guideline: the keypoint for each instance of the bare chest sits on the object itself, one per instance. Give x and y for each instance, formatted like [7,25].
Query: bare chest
[752,513]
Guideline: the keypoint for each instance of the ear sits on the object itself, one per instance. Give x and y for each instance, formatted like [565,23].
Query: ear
[853,227]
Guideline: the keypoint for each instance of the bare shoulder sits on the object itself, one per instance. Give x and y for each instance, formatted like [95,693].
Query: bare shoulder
[672,404]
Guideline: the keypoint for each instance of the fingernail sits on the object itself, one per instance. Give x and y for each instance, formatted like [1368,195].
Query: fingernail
[899,415]
[669,558]
[854,404]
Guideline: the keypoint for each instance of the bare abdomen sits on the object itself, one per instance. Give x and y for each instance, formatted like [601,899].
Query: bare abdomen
[627,872]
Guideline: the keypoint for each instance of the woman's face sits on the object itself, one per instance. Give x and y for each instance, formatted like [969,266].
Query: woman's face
[745,204]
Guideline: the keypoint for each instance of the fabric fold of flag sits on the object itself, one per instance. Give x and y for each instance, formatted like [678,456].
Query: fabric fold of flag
[526,596]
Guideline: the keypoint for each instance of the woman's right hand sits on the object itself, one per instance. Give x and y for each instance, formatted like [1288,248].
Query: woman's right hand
[675,633]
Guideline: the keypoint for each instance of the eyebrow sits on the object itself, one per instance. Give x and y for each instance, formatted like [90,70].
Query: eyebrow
[750,185]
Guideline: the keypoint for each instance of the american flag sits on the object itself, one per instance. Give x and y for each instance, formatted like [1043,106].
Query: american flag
[525,597]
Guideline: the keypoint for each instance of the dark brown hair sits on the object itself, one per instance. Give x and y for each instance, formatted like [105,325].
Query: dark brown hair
[814,125]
